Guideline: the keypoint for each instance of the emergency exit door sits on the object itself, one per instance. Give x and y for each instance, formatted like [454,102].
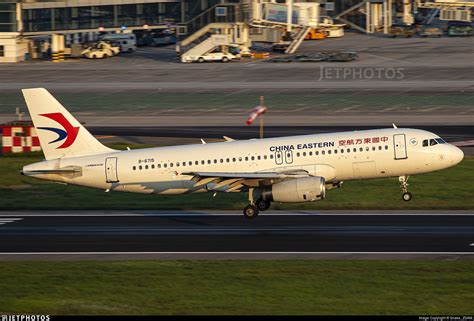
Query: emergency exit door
[111,170]
[400,146]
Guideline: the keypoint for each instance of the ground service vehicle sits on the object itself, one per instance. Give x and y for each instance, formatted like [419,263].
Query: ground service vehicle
[127,42]
[100,50]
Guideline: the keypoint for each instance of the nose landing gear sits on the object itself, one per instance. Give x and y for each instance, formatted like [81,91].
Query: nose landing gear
[406,196]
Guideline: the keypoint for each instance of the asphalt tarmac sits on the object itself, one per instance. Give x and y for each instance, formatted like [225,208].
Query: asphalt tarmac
[228,235]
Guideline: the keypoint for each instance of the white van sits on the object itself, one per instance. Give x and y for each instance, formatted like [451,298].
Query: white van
[126,41]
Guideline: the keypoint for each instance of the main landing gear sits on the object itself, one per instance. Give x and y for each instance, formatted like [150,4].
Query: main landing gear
[406,196]
[251,211]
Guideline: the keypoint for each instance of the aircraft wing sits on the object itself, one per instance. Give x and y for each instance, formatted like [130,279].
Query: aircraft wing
[250,175]
[238,181]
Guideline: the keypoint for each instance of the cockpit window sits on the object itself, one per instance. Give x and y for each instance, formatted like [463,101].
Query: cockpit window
[432,142]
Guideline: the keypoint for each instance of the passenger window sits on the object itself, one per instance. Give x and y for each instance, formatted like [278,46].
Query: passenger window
[386,146]
[227,160]
[190,163]
[240,159]
[367,148]
[373,147]
[252,158]
[304,154]
[323,152]
[177,164]
[329,152]
[310,153]
[259,157]
[222,160]
[134,168]
[208,161]
[316,153]
[335,151]
[361,149]
[380,147]
[342,151]
[196,162]
[140,167]
[171,164]
[165,165]
[271,156]
[355,150]
[264,156]
[246,158]
[146,166]
[152,166]
[159,165]
[203,162]
[297,154]
[215,161]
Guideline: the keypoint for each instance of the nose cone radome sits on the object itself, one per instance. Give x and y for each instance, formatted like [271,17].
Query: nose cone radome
[457,155]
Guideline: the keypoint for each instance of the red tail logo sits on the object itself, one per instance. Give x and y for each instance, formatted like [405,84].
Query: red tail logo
[69,134]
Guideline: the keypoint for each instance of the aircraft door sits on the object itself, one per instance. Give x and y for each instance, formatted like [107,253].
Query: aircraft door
[289,156]
[400,146]
[111,175]
[278,157]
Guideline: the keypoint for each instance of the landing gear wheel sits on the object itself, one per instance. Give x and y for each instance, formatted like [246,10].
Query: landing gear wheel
[250,211]
[201,60]
[225,59]
[407,196]
[262,205]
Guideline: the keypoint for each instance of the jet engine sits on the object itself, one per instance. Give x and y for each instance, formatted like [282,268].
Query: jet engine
[307,189]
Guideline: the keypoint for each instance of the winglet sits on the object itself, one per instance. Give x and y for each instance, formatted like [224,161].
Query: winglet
[203,141]
[394,126]
[228,139]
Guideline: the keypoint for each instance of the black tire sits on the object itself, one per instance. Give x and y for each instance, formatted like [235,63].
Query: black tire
[94,57]
[250,212]
[201,60]
[105,56]
[407,196]
[262,205]
[130,50]
[225,59]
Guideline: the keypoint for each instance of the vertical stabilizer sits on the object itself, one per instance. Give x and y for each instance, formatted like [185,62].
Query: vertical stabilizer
[60,134]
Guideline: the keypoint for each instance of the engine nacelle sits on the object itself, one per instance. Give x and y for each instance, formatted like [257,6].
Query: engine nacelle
[307,189]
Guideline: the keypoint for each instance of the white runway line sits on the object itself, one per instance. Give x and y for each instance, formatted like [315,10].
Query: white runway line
[235,214]
[7,220]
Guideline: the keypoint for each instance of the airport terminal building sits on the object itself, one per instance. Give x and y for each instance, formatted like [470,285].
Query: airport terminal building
[23,22]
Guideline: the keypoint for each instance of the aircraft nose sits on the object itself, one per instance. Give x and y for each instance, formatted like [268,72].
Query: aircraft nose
[457,155]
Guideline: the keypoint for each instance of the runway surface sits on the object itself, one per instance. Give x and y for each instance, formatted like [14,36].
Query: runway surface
[450,133]
[228,235]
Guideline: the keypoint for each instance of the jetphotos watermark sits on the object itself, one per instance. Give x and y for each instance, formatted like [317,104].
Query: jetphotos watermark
[361,73]
[24,317]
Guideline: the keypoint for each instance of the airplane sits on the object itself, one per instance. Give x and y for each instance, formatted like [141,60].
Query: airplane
[284,169]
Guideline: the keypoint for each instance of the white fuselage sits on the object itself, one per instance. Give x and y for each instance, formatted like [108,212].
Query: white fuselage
[336,157]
